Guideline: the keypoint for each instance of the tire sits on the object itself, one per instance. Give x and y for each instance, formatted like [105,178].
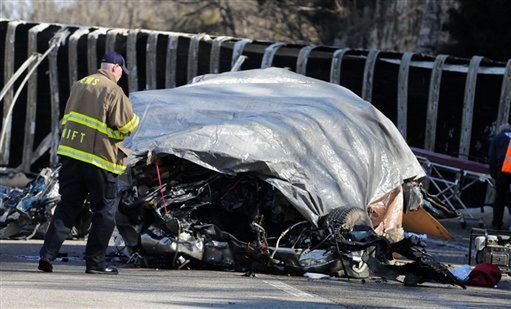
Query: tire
[346,218]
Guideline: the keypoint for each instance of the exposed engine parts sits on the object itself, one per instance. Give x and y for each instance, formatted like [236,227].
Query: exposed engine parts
[199,218]
[25,212]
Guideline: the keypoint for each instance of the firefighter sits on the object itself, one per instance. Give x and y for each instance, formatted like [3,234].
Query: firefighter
[499,157]
[97,118]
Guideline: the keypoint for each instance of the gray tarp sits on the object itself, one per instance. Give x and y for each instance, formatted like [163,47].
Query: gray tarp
[318,143]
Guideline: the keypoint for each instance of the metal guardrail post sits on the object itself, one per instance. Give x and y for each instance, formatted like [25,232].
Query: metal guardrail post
[505,96]
[10,39]
[131,59]
[31,109]
[402,93]
[171,61]
[237,50]
[433,100]
[150,58]
[214,57]
[92,52]
[193,56]
[111,39]
[367,83]
[303,57]
[73,54]
[335,67]
[55,105]
[269,53]
[468,106]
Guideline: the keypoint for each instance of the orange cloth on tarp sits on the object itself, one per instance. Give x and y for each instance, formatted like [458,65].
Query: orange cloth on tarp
[386,212]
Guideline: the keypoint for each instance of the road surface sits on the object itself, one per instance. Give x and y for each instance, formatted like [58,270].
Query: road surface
[21,286]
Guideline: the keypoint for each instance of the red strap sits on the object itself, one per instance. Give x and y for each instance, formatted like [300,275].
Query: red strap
[161,186]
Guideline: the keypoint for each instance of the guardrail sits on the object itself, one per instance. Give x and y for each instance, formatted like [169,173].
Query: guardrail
[161,59]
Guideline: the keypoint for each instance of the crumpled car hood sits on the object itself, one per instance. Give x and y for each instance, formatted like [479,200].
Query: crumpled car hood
[319,144]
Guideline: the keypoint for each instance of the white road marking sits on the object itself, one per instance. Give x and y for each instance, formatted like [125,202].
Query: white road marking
[444,302]
[288,289]
[316,301]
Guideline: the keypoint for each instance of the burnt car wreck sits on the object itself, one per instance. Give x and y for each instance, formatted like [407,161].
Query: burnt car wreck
[270,171]
[26,209]
[25,213]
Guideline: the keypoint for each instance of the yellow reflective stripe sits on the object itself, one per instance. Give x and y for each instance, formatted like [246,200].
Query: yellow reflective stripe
[131,125]
[134,125]
[124,127]
[105,129]
[91,158]
[92,123]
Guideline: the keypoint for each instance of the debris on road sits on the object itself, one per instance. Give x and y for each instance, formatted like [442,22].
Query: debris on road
[485,274]
[461,272]
[25,212]
[316,276]
[421,221]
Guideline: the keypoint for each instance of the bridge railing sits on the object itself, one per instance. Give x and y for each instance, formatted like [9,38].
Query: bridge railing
[439,103]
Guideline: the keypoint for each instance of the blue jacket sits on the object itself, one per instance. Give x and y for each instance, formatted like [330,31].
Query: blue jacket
[497,152]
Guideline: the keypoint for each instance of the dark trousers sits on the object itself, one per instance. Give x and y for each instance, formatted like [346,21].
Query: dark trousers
[76,180]
[502,182]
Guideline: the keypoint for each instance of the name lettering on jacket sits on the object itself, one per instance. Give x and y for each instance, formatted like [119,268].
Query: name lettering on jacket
[72,134]
[89,80]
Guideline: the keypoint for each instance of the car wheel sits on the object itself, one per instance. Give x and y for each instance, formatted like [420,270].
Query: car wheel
[347,217]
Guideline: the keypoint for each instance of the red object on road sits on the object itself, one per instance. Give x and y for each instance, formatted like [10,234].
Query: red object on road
[484,274]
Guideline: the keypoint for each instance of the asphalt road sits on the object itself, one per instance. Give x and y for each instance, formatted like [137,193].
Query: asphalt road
[21,286]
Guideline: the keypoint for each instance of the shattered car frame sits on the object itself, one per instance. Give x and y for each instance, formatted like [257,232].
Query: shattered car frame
[26,212]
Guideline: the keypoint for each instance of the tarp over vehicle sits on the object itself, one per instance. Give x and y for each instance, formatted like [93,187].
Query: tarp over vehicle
[318,143]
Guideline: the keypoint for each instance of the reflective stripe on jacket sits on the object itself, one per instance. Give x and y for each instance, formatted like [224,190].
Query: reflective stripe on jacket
[506,165]
[97,118]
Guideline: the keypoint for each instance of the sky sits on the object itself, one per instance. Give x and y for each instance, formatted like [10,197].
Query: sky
[13,9]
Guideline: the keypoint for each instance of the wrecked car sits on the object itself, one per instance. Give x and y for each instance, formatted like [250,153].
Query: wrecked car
[269,171]
[27,212]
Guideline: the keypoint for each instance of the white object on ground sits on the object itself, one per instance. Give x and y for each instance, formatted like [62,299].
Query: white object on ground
[316,276]
[461,272]
[420,236]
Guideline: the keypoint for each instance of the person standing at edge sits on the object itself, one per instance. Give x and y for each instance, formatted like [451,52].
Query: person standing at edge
[499,157]
[97,118]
